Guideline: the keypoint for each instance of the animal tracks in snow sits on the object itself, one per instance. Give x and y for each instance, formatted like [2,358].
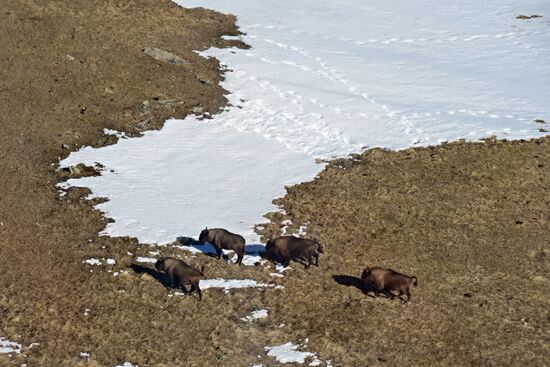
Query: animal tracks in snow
[320,81]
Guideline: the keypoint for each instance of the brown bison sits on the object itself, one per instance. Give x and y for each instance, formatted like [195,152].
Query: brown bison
[387,281]
[287,248]
[179,273]
[223,239]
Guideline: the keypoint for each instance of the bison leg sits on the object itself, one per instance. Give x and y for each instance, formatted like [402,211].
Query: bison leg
[195,287]
[382,291]
[240,256]
[306,260]
[272,256]
[310,257]
[219,252]
[408,294]
[286,261]
[170,279]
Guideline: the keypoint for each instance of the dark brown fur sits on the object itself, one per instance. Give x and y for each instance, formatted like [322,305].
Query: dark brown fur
[287,248]
[179,273]
[387,281]
[223,239]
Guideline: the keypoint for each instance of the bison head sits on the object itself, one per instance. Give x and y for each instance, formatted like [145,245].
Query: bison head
[159,265]
[203,236]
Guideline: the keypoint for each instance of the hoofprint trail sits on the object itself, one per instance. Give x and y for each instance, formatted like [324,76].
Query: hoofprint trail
[322,81]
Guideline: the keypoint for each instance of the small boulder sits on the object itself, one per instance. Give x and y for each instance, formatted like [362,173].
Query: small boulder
[165,56]
[197,110]
[520,220]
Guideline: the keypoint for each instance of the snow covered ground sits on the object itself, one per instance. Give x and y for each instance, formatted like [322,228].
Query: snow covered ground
[289,353]
[7,347]
[227,284]
[255,315]
[324,79]
[93,261]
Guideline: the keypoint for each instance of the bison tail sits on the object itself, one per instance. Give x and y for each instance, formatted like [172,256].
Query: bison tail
[414,280]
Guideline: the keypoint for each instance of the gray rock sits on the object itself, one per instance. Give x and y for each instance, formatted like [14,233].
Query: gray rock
[144,125]
[206,81]
[165,56]
[520,219]
[75,170]
[145,108]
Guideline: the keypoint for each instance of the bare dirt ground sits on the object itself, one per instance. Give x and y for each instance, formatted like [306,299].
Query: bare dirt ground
[471,221]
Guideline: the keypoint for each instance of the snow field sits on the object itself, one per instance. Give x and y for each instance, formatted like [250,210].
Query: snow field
[323,80]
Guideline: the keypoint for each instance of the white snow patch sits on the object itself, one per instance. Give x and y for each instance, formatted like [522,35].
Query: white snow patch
[118,134]
[231,38]
[126,364]
[281,269]
[227,284]
[255,315]
[84,354]
[252,255]
[141,259]
[227,181]
[231,283]
[323,80]
[8,347]
[302,231]
[92,261]
[96,262]
[288,353]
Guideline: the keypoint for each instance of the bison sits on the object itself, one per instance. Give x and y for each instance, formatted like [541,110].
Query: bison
[223,239]
[179,273]
[387,281]
[287,248]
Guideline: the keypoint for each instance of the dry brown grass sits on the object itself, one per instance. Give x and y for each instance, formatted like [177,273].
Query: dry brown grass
[471,221]
[447,215]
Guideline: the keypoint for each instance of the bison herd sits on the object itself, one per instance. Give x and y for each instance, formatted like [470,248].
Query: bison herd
[380,281]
